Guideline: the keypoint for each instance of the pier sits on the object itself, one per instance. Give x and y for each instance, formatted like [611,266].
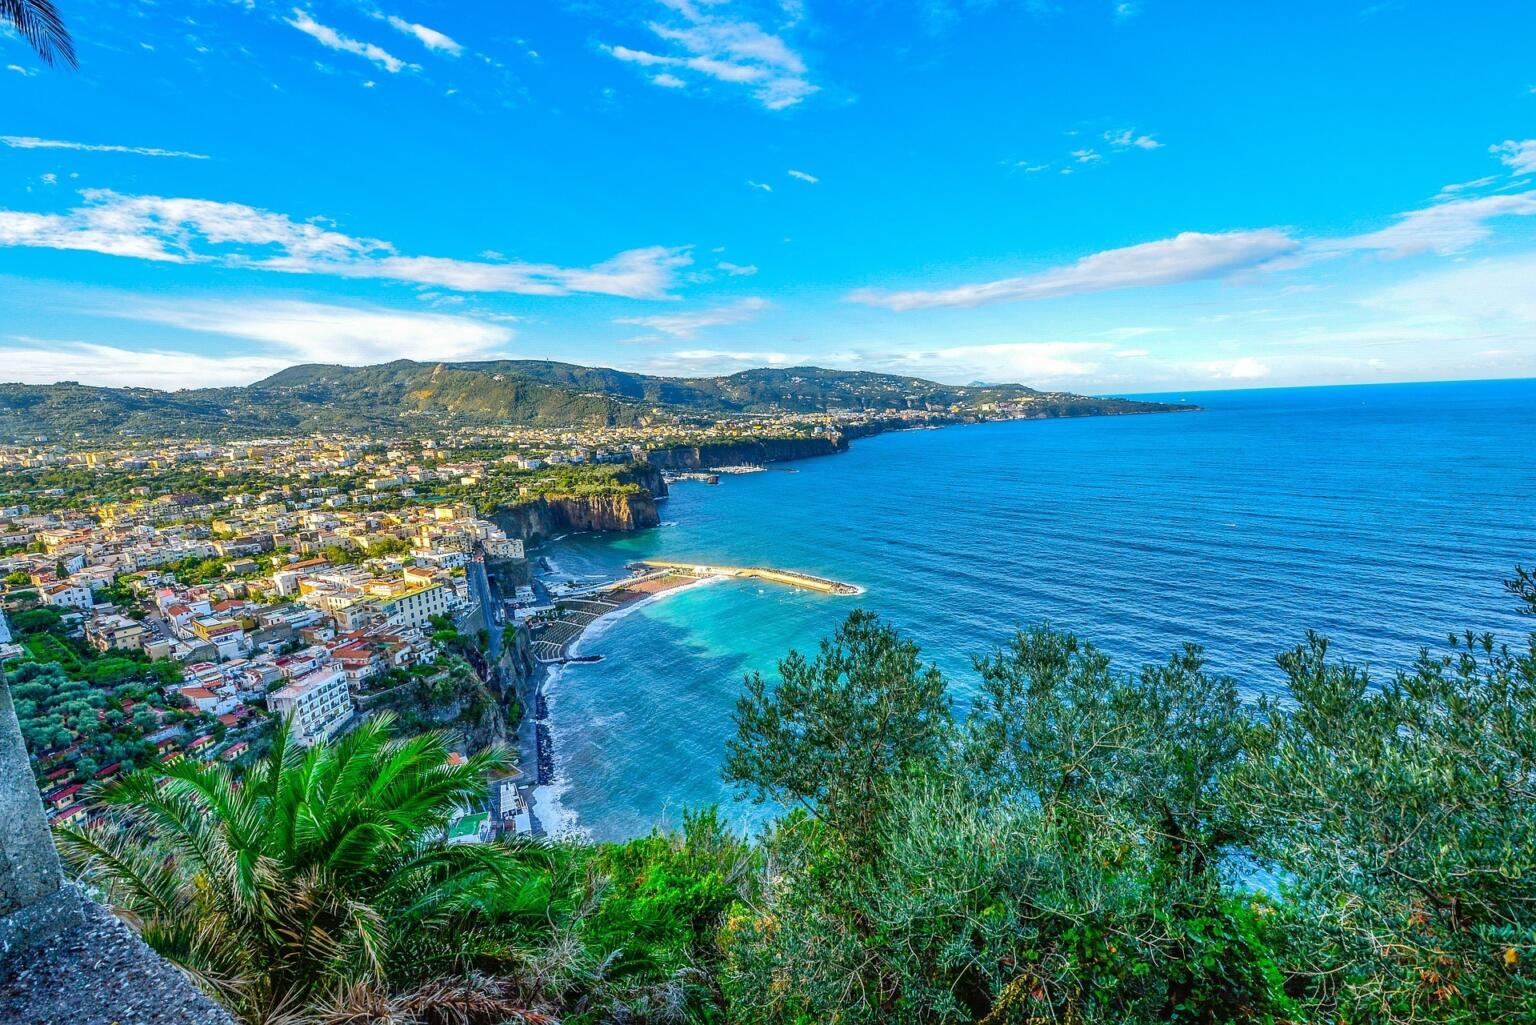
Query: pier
[791,578]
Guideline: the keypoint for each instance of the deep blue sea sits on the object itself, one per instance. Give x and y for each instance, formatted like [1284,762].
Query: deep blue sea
[1382,516]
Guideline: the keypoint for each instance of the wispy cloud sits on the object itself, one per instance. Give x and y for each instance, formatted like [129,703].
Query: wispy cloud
[24,72]
[204,231]
[1451,225]
[430,38]
[1127,137]
[1444,228]
[764,186]
[331,39]
[32,142]
[808,178]
[730,50]
[1190,256]
[688,325]
[1519,156]
[736,270]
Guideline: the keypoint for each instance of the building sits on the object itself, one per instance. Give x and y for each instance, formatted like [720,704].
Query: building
[504,548]
[410,606]
[317,704]
[115,633]
[68,595]
[475,828]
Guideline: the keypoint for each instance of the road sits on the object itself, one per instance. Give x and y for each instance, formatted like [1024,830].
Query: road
[482,586]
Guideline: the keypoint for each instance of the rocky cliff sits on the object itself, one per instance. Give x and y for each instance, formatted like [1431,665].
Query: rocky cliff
[770,450]
[539,519]
[542,518]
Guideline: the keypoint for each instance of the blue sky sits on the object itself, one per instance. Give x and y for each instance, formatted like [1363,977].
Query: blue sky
[1100,196]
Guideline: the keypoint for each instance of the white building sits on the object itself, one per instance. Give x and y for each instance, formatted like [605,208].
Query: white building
[68,595]
[316,704]
[416,606]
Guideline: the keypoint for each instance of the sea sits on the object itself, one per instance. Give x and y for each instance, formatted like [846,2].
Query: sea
[1383,516]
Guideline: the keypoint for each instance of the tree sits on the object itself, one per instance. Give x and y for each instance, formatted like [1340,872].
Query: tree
[322,871]
[836,732]
[42,27]
[1402,818]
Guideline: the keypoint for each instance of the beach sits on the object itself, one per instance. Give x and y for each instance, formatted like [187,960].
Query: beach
[594,617]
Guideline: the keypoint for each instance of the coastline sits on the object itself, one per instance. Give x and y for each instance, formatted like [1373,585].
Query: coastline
[551,817]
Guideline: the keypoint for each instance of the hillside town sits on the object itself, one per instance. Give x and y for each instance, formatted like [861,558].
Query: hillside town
[145,626]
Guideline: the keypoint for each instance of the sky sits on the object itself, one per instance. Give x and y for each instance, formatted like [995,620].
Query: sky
[1098,196]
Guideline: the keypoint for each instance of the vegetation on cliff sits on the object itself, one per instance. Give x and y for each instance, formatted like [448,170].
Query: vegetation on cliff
[1083,844]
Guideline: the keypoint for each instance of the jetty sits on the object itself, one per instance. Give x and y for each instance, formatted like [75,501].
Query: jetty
[791,578]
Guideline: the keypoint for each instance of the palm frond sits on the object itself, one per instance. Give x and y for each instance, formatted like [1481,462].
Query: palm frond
[42,27]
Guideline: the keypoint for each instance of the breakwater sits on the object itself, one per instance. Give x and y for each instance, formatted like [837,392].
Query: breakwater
[791,578]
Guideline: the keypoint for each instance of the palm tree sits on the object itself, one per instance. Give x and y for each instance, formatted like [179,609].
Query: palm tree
[320,881]
[39,23]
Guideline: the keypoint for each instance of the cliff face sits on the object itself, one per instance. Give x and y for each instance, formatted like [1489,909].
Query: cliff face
[543,518]
[772,450]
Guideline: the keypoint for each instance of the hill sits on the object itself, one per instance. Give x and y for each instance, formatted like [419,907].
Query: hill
[405,395]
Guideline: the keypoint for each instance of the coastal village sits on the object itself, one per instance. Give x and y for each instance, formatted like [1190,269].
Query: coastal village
[164,601]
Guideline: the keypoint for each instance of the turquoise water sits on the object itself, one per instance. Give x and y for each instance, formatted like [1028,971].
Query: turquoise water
[1382,516]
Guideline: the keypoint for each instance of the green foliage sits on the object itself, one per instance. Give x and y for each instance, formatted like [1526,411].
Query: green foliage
[836,734]
[325,869]
[59,707]
[1096,845]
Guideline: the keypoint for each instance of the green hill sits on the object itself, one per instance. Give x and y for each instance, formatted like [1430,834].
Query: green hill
[404,395]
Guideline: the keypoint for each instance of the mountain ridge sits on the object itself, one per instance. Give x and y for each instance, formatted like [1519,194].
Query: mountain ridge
[407,395]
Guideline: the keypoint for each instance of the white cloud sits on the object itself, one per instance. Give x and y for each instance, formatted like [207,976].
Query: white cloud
[809,178]
[331,39]
[736,270]
[688,325]
[204,231]
[39,361]
[1047,363]
[283,332]
[1245,368]
[1022,362]
[759,185]
[721,361]
[1085,156]
[430,38]
[317,332]
[1190,256]
[669,81]
[1520,156]
[729,50]
[24,72]
[31,142]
